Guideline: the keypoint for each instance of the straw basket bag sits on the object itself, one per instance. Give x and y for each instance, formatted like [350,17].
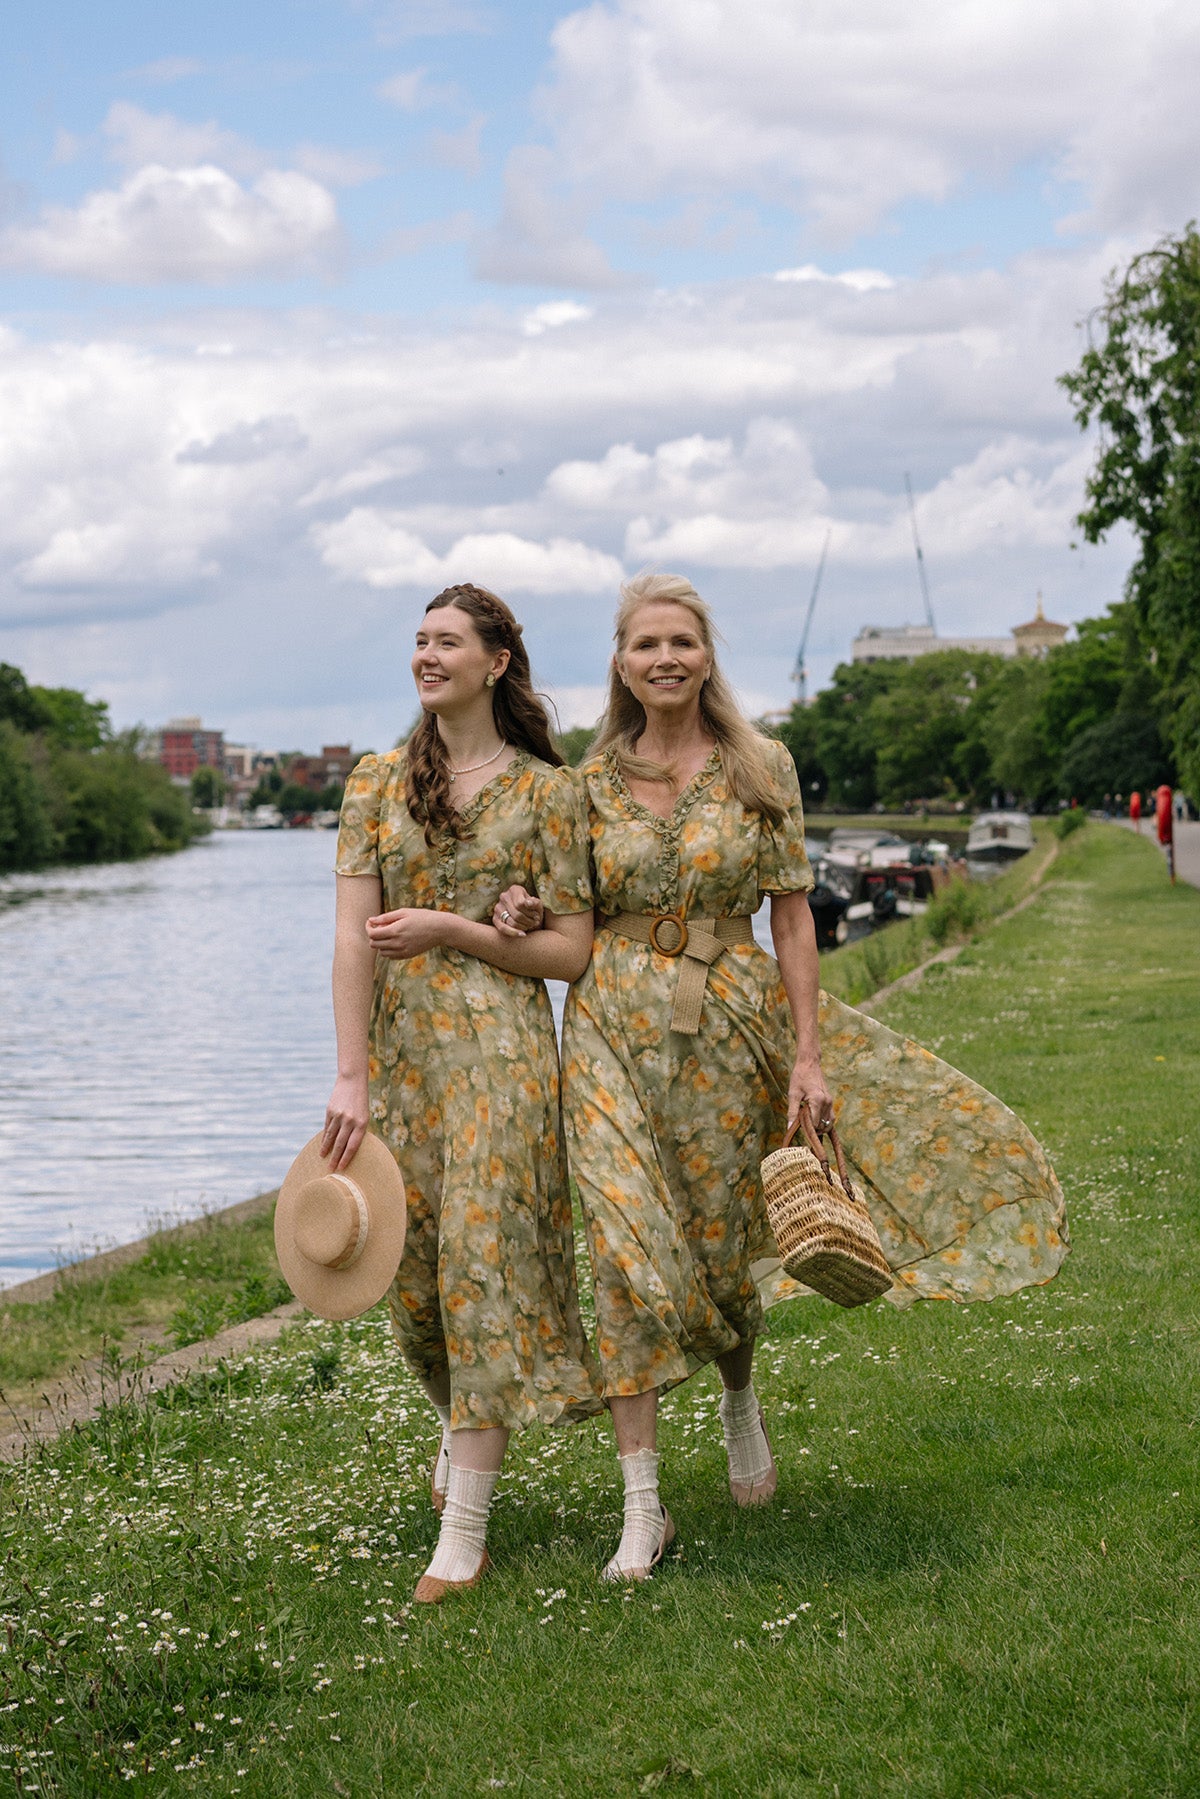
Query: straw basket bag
[825,1235]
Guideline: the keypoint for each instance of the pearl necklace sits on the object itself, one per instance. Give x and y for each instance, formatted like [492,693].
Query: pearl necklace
[476,766]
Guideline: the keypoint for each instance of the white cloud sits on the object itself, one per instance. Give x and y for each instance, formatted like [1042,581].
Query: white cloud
[375,547]
[250,440]
[860,281]
[138,548]
[539,239]
[396,464]
[843,115]
[459,149]
[136,137]
[334,167]
[398,20]
[412,91]
[182,224]
[553,313]
[307,479]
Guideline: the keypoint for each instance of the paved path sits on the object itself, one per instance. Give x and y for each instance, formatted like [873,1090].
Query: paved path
[1187,847]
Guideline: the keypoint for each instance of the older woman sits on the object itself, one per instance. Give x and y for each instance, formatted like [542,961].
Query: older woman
[446,1041]
[687,1049]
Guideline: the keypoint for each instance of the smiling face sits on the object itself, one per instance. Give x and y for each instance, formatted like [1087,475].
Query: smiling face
[664,661]
[451,663]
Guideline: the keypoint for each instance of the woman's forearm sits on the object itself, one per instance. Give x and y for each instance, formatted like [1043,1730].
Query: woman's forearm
[795,941]
[558,952]
[353,977]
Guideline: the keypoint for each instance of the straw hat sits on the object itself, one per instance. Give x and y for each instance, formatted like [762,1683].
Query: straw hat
[339,1237]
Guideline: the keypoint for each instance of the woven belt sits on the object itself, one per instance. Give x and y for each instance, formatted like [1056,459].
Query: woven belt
[698,940]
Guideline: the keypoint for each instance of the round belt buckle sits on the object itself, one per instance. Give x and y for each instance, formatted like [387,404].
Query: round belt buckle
[677,924]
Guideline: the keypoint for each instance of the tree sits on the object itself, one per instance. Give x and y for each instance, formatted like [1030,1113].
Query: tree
[1140,383]
[26,833]
[845,735]
[1122,754]
[927,727]
[208,787]
[575,743]
[801,732]
[1023,757]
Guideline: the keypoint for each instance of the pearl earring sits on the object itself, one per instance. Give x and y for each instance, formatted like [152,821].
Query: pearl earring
[490,681]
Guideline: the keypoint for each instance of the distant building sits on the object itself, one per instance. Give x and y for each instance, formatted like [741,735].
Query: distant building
[1040,635]
[185,746]
[906,642]
[238,761]
[331,766]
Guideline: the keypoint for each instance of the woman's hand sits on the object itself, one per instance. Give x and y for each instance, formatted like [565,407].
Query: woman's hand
[409,932]
[517,912]
[808,1083]
[346,1118]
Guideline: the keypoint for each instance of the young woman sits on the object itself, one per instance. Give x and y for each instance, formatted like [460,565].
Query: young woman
[686,1049]
[446,1043]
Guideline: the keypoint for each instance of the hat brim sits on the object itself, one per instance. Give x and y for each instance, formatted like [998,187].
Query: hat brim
[339,1293]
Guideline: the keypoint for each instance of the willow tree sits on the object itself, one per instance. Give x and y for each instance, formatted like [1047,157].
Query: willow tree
[1139,382]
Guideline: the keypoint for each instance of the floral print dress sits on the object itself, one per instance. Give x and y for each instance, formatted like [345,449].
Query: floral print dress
[465,1092]
[667,1131]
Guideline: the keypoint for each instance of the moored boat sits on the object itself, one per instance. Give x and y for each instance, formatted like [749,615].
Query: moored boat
[999,837]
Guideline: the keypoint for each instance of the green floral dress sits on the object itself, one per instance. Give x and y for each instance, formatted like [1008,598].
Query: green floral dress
[667,1131]
[465,1092]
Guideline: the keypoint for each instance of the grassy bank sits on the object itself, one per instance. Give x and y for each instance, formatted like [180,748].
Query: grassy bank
[979,1578]
[954,915]
[190,1282]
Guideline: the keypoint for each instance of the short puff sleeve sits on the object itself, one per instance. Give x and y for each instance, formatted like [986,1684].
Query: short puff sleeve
[783,865]
[358,830]
[561,869]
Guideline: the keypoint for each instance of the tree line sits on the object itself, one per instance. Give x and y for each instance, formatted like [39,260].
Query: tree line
[72,789]
[1078,724]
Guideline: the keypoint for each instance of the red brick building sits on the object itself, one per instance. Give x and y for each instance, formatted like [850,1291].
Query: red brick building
[186,746]
[315,772]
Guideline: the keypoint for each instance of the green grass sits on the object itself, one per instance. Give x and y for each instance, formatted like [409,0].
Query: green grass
[979,1578]
[192,1281]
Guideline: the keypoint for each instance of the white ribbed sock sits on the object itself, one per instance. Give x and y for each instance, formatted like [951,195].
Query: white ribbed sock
[643,1516]
[745,1442]
[463,1535]
[441,1466]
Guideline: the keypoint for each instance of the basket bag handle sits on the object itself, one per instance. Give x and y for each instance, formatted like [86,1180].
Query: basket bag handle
[804,1121]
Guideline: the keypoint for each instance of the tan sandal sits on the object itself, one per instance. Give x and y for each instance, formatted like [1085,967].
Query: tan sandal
[431,1591]
[760,1492]
[664,1543]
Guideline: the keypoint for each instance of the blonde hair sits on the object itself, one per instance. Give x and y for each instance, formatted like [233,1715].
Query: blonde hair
[742,748]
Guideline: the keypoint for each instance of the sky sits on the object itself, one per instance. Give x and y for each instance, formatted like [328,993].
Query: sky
[308,310]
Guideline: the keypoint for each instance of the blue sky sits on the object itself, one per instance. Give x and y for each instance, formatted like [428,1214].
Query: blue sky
[306,309]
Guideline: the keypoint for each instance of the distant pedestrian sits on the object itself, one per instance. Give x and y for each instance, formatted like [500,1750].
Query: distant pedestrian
[446,1042]
[1135,810]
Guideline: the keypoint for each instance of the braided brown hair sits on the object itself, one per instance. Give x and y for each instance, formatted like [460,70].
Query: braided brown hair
[519,713]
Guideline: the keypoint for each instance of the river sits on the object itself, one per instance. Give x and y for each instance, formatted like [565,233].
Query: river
[166,1037]
[166,1042]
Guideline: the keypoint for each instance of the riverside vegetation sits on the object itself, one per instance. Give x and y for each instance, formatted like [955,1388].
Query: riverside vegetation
[980,1576]
[72,790]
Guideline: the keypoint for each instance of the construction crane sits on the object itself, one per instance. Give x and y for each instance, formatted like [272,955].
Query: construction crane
[912,513]
[800,672]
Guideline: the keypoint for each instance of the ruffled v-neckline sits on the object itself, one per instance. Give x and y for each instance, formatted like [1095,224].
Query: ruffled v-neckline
[469,812]
[672,820]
